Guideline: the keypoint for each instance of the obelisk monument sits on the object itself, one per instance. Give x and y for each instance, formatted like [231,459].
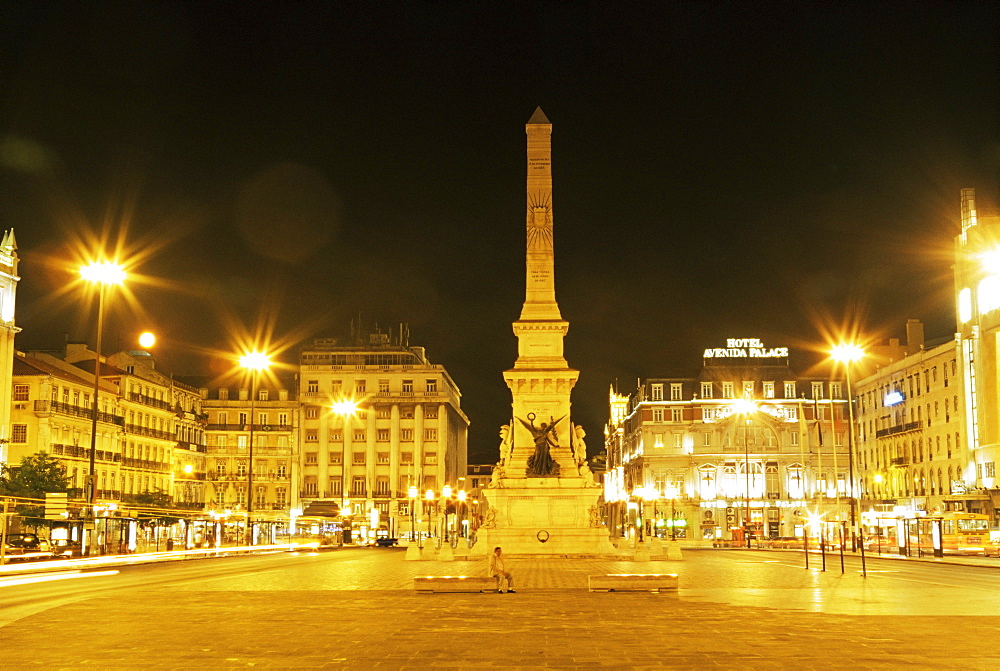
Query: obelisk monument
[543,498]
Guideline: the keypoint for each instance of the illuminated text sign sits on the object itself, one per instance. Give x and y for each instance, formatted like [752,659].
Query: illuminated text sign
[745,348]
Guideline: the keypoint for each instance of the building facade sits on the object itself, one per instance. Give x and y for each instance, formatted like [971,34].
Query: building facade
[911,438]
[8,293]
[747,446]
[270,420]
[378,418]
[977,302]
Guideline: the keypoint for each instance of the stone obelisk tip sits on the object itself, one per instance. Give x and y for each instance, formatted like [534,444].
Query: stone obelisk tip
[539,117]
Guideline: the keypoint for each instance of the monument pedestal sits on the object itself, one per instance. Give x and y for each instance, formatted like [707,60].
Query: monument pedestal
[556,517]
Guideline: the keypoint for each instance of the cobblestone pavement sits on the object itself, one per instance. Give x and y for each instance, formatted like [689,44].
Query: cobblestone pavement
[356,609]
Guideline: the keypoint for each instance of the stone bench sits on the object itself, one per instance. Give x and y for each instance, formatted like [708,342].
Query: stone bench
[632,582]
[429,584]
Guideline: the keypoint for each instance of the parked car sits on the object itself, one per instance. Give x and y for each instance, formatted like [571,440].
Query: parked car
[20,544]
[386,542]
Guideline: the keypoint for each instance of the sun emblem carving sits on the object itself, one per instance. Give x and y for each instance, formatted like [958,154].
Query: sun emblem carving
[539,222]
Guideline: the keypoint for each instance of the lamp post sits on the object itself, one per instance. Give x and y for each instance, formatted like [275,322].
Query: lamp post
[103,274]
[445,496]
[412,493]
[429,505]
[671,493]
[746,408]
[847,354]
[254,362]
[461,511]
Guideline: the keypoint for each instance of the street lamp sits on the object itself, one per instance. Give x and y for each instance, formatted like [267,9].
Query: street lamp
[103,274]
[346,408]
[254,362]
[413,493]
[671,493]
[461,511]
[847,354]
[445,496]
[428,503]
[640,493]
[746,408]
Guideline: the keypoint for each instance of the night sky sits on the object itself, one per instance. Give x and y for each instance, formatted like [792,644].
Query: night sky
[720,170]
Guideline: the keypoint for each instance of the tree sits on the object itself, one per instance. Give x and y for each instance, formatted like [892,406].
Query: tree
[38,473]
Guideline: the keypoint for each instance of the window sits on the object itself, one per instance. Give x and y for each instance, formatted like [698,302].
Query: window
[223,418]
[335,457]
[262,394]
[283,418]
[382,487]
[676,389]
[359,458]
[243,419]
[793,438]
[383,457]
[657,392]
[817,390]
[282,469]
[312,435]
[358,486]
[19,433]
[383,412]
[676,414]
[432,385]
[220,466]
[280,497]
[789,390]
[657,414]
[748,388]
[312,412]
[706,390]
[835,390]
[21,392]
[382,435]
[430,457]
[383,386]
[406,434]
[311,457]
[768,390]
[431,413]
[406,457]
[336,486]
[241,442]
[406,412]
[678,440]
[359,436]
[430,434]
[706,438]
[312,387]
[309,485]
[337,435]
[241,468]
[360,387]
[657,440]
[728,390]
[407,386]
[336,386]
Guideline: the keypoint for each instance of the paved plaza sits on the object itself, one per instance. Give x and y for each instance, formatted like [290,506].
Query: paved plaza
[356,609]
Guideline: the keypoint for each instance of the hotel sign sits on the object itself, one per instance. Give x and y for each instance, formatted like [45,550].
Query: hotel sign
[745,348]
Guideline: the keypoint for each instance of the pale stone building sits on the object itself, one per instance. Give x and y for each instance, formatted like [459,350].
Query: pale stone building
[272,414]
[51,413]
[8,293]
[977,294]
[748,443]
[408,429]
[911,437]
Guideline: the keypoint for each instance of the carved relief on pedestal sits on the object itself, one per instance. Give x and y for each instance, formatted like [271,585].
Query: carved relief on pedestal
[541,463]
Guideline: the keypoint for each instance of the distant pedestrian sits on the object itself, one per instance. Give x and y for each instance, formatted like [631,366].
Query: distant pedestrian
[499,571]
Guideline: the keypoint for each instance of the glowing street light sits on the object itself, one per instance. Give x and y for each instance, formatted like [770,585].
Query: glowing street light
[413,493]
[147,340]
[746,408]
[104,274]
[254,362]
[847,354]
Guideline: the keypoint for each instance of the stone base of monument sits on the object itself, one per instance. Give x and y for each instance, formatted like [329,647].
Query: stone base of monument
[673,551]
[412,552]
[454,583]
[544,517]
[446,553]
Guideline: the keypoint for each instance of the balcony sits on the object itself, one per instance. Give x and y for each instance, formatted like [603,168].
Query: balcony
[899,428]
[148,432]
[150,401]
[246,427]
[77,411]
[193,447]
[899,461]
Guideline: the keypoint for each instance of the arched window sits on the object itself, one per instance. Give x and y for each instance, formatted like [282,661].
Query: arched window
[707,480]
